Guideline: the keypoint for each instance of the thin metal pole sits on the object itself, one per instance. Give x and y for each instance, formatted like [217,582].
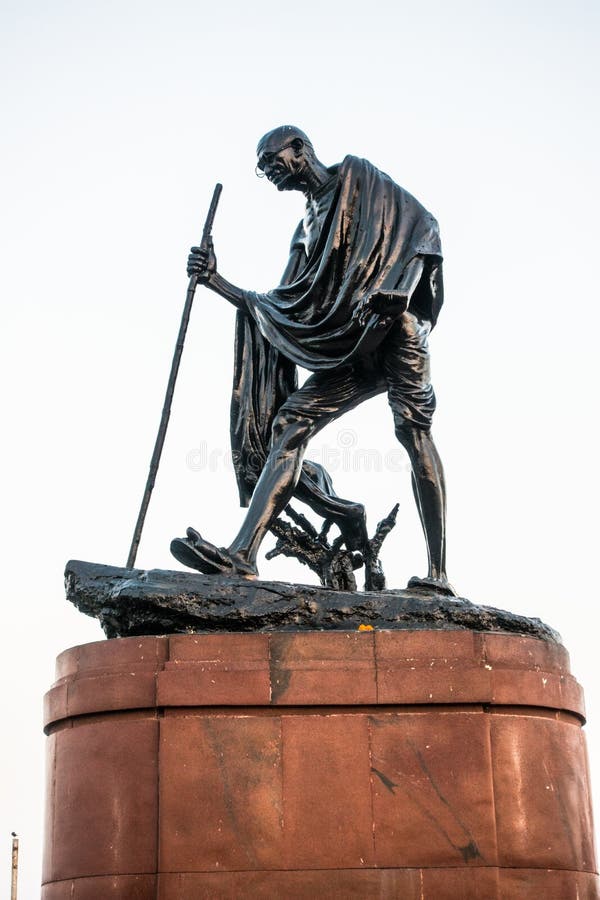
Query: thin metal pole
[166,411]
[15,867]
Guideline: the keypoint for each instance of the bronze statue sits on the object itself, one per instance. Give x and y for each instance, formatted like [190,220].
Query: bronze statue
[360,293]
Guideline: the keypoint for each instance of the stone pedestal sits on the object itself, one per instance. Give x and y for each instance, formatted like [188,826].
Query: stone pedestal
[421,765]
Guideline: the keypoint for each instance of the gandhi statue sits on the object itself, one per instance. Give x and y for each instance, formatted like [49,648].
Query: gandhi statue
[360,293]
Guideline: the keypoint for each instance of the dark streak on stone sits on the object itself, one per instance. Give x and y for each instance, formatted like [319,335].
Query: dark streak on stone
[279,673]
[563,812]
[280,680]
[468,851]
[390,785]
[415,798]
[219,751]
[565,821]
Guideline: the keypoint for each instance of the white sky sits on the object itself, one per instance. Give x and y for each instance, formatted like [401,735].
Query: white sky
[118,118]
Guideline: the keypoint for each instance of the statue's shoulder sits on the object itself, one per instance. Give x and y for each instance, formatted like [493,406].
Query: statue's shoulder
[355,166]
[354,163]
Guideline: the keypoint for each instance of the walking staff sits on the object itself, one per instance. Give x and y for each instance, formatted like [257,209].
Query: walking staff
[14,866]
[166,411]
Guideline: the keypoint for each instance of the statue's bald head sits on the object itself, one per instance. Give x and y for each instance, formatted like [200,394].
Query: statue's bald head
[287,158]
[277,138]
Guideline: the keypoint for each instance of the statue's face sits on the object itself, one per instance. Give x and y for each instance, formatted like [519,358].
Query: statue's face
[283,163]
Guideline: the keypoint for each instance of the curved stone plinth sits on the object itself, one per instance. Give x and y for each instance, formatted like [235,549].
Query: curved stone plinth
[422,765]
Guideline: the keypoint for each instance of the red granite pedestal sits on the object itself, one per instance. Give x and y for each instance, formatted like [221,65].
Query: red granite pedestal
[421,765]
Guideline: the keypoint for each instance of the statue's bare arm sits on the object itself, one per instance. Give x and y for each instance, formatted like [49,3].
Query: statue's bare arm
[203,264]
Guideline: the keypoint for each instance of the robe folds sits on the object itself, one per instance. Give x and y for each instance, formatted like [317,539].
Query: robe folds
[370,233]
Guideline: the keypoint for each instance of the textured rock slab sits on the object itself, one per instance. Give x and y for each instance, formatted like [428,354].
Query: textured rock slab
[130,602]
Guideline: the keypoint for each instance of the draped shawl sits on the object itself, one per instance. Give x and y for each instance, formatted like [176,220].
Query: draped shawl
[371,232]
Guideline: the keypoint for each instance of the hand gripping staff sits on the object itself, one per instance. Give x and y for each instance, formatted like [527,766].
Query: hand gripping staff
[166,411]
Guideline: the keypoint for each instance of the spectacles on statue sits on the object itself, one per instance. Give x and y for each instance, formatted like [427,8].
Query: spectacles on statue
[265,158]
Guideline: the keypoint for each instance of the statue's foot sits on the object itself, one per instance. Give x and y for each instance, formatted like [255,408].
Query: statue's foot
[196,553]
[432,586]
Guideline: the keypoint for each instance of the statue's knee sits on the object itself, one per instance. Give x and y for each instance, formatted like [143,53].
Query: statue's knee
[281,423]
[404,432]
[290,432]
[412,438]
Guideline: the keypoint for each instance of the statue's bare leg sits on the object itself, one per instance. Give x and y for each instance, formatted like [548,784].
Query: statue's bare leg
[319,401]
[429,488]
[411,397]
[323,398]
[274,489]
[271,494]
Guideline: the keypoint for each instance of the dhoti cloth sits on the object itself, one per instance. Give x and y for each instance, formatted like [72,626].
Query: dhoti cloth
[399,365]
